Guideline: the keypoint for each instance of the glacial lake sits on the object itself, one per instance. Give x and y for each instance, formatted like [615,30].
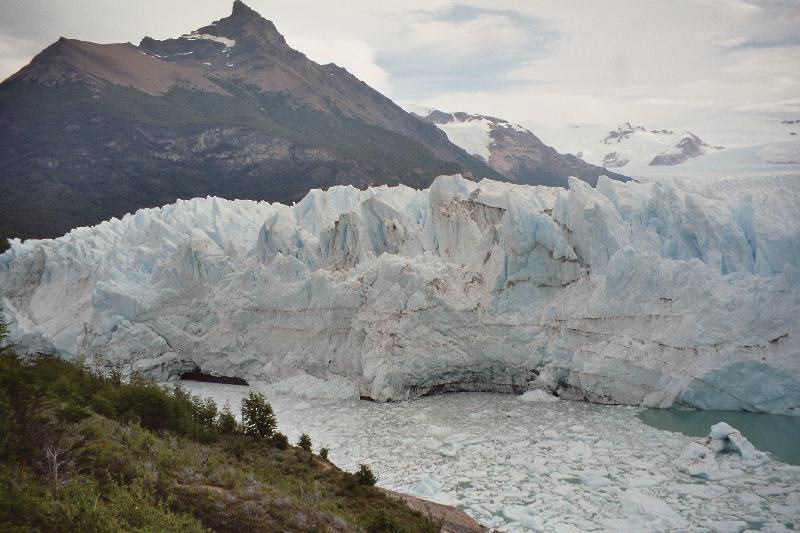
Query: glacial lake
[523,466]
[777,434]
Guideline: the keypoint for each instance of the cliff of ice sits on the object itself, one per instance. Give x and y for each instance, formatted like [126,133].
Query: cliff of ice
[655,294]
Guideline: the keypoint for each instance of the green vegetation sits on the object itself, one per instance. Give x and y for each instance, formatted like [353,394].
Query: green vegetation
[84,450]
[304,443]
[258,418]
[365,475]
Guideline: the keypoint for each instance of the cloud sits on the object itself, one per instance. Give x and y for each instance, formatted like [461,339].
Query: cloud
[15,53]
[360,58]
[463,47]
[553,61]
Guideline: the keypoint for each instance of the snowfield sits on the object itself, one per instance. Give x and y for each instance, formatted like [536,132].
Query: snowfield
[560,466]
[655,294]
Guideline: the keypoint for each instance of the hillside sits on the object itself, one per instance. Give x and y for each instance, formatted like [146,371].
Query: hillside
[93,131]
[82,451]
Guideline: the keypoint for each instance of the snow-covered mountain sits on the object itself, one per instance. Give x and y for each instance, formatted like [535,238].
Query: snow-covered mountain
[753,145]
[512,150]
[635,146]
[655,294]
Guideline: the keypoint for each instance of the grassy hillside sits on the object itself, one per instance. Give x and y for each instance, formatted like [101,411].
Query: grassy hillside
[83,451]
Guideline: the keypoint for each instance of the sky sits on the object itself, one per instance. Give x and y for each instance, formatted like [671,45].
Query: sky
[660,63]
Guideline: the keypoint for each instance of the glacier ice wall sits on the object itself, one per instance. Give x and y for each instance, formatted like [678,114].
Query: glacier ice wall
[656,294]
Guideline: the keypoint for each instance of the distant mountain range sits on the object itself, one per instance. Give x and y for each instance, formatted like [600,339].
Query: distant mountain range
[512,150]
[92,131]
[631,145]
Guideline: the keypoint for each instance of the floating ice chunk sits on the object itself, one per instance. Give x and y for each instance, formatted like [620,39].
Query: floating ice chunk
[732,440]
[578,451]
[725,453]
[538,395]
[728,526]
[522,516]
[646,512]
[426,488]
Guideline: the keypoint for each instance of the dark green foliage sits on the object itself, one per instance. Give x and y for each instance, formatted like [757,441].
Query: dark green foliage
[258,418]
[323,453]
[304,443]
[279,441]
[365,475]
[226,422]
[238,446]
[5,347]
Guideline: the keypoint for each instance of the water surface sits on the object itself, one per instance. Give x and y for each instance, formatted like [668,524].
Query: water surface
[777,434]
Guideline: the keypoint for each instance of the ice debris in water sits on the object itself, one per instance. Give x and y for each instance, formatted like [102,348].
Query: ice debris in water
[725,453]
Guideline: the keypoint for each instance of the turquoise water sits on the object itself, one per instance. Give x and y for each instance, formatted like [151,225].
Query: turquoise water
[777,434]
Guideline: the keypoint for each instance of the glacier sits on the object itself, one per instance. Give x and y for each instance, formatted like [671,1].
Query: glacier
[668,293]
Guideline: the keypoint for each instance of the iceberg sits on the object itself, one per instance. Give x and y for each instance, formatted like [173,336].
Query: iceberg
[725,453]
[656,294]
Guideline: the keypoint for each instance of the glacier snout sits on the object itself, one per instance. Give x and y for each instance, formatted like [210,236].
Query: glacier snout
[645,294]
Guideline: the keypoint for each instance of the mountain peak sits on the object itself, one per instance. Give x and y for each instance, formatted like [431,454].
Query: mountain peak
[245,23]
[240,9]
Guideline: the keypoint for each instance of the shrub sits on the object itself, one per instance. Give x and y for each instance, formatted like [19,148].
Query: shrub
[238,447]
[323,453]
[258,418]
[204,412]
[226,422]
[365,475]
[279,440]
[305,442]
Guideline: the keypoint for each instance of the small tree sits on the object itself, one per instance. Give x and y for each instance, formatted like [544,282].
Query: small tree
[226,422]
[305,442]
[258,418]
[279,440]
[4,348]
[365,475]
[323,453]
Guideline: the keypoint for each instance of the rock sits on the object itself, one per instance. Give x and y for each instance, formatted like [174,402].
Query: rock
[451,519]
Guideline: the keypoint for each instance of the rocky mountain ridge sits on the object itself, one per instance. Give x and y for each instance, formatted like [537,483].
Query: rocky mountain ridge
[512,150]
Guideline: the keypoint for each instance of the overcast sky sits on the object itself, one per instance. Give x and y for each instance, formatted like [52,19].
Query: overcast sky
[661,63]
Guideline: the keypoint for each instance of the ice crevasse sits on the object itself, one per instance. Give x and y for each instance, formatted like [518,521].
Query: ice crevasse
[658,294]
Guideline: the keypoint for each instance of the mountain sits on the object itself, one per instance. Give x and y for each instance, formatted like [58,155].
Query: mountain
[687,147]
[659,294]
[631,147]
[92,131]
[512,150]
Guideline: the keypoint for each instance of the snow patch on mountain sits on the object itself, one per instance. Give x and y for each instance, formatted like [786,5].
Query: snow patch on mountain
[473,135]
[229,43]
[652,294]
[470,132]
